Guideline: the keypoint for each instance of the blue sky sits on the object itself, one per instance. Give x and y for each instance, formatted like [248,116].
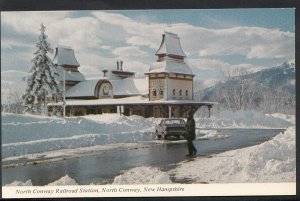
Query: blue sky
[213,39]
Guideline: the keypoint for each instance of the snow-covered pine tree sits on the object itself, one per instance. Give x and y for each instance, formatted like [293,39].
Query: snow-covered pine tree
[42,85]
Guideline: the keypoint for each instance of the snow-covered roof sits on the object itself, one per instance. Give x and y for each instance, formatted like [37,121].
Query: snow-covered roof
[170,45]
[122,87]
[83,89]
[64,56]
[142,84]
[70,75]
[132,101]
[171,66]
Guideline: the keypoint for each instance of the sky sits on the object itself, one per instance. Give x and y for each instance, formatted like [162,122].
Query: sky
[213,40]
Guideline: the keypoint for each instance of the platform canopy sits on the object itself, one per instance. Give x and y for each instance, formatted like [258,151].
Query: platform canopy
[135,100]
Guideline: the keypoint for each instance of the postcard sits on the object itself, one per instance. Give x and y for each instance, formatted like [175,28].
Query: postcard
[147,103]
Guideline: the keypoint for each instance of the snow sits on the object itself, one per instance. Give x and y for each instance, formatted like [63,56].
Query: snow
[88,88]
[129,101]
[171,66]
[70,76]
[65,56]
[20,183]
[286,117]
[271,161]
[62,138]
[57,139]
[170,45]
[64,181]
[143,175]
[142,85]
[124,87]
[83,89]
[245,119]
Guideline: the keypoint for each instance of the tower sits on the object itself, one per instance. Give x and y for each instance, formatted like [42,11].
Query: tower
[65,60]
[170,78]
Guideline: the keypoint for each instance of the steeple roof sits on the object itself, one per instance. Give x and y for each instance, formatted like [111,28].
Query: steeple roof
[64,56]
[170,45]
[170,66]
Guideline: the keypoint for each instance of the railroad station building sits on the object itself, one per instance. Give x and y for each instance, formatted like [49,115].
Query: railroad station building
[166,90]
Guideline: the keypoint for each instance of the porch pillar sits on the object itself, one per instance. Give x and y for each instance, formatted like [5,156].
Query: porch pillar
[170,111]
[209,107]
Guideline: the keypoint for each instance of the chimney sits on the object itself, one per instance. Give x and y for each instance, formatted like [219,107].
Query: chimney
[105,72]
[117,65]
[121,62]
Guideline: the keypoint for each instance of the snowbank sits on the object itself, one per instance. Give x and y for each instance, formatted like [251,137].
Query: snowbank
[286,117]
[20,183]
[245,119]
[64,181]
[271,161]
[29,135]
[143,175]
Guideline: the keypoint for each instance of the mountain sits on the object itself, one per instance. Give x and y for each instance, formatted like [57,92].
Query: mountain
[272,87]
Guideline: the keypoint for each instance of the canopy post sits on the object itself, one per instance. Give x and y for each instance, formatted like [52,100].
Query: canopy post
[209,107]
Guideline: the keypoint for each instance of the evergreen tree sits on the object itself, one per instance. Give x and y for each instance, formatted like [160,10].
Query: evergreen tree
[42,85]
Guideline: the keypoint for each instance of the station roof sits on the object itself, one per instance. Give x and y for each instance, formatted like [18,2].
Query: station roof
[64,56]
[87,88]
[170,45]
[170,66]
[70,75]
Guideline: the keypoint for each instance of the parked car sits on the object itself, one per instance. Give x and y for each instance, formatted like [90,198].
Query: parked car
[170,127]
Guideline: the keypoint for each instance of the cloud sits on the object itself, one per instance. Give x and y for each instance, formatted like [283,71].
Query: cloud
[128,51]
[207,64]
[135,66]
[91,72]
[101,37]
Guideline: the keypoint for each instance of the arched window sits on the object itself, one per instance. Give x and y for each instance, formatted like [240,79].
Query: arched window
[161,93]
[186,92]
[180,92]
[173,92]
[154,92]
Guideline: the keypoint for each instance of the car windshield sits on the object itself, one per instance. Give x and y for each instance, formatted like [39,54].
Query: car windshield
[174,121]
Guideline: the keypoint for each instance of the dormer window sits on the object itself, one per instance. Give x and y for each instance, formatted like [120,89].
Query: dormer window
[174,92]
[186,92]
[180,92]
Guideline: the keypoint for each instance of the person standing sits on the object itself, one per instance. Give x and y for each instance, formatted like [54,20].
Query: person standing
[190,134]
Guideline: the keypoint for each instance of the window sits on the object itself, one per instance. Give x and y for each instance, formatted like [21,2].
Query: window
[173,92]
[161,93]
[154,92]
[180,92]
[186,92]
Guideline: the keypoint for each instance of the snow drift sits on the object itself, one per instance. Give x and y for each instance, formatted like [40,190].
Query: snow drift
[271,161]
[243,119]
[143,175]
[27,136]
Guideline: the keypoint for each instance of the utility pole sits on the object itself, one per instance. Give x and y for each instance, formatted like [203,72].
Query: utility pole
[64,93]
